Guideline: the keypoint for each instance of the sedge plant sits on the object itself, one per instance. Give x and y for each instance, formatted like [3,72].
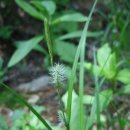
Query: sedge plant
[79,55]
[58,76]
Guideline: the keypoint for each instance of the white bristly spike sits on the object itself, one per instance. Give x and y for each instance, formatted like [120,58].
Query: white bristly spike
[58,74]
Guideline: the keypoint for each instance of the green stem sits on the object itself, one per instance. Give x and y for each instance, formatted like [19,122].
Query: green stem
[62,106]
[48,39]
[71,81]
[97,93]
[81,88]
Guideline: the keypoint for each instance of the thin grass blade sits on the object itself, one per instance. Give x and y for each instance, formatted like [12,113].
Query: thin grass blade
[71,81]
[21,99]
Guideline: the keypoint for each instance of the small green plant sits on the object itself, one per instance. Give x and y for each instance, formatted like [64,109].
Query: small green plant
[37,11]
[112,69]
[106,69]
[109,69]
[45,12]
[22,120]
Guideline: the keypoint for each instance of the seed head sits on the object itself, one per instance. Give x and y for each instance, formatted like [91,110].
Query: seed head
[58,73]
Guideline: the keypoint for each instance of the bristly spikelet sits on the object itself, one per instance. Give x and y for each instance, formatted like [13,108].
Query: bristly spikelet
[58,73]
[60,117]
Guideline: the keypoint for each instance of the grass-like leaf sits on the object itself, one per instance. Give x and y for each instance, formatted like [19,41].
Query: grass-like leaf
[71,81]
[22,100]
[77,34]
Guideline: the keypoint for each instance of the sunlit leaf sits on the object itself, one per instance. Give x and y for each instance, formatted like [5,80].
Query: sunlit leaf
[110,66]
[107,61]
[124,89]
[103,54]
[124,76]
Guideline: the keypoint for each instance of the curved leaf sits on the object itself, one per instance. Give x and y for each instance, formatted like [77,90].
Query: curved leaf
[46,7]
[77,34]
[124,76]
[24,48]
[74,17]
[50,6]
[30,9]
[125,89]
[22,100]
[107,61]
[103,54]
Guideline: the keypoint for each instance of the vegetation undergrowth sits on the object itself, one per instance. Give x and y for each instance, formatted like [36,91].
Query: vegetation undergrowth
[110,74]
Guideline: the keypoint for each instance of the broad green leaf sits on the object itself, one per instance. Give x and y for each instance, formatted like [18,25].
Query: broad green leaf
[110,67]
[74,17]
[109,70]
[125,89]
[77,34]
[74,122]
[65,50]
[124,76]
[107,61]
[30,9]
[47,7]
[103,54]
[24,49]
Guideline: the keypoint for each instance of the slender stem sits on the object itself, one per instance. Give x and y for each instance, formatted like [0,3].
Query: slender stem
[62,106]
[81,80]
[97,93]
[48,38]
[71,81]
[81,88]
